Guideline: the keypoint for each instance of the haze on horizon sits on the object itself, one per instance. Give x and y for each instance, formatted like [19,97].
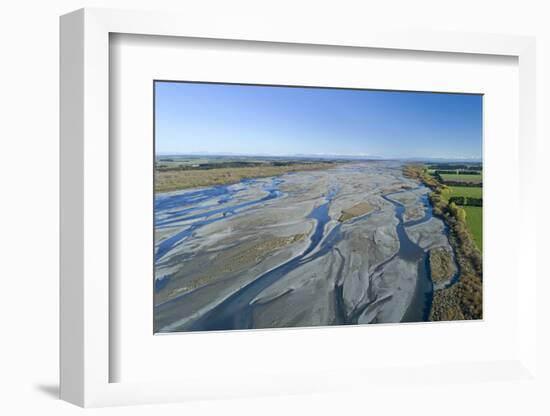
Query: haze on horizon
[202,118]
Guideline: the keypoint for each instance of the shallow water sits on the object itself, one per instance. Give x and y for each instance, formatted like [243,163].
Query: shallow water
[217,209]
[236,311]
[420,306]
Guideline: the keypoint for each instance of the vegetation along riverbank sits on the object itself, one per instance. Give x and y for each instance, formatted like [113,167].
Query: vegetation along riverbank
[462,300]
[176,172]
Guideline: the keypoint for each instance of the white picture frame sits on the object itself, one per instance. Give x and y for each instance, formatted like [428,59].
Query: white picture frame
[85,202]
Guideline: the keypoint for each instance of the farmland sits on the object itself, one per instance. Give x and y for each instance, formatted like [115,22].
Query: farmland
[474,220]
[473,213]
[181,172]
[458,177]
[467,191]
[447,192]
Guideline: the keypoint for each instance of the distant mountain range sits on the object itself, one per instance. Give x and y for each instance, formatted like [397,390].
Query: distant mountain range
[360,156]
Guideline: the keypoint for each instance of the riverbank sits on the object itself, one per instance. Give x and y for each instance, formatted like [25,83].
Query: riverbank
[175,180]
[462,299]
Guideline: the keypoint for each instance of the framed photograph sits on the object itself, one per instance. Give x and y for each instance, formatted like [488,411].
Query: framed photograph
[270,212]
[237,206]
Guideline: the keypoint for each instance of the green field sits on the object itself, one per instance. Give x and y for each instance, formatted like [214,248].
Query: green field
[460,178]
[474,219]
[474,214]
[467,191]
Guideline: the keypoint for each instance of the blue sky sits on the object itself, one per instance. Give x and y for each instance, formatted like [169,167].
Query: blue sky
[244,119]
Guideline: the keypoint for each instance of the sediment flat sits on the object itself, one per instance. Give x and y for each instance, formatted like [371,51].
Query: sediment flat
[306,248]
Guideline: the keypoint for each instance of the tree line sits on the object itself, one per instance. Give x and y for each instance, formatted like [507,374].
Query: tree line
[466,200]
[448,166]
[457,172]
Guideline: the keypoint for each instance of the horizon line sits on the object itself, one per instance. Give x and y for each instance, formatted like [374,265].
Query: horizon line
[322,156]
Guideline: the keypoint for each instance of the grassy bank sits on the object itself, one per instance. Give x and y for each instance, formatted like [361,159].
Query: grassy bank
[464,299]
[467,191]
[453,177]
[473,214]
[474,219]
[174,180]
